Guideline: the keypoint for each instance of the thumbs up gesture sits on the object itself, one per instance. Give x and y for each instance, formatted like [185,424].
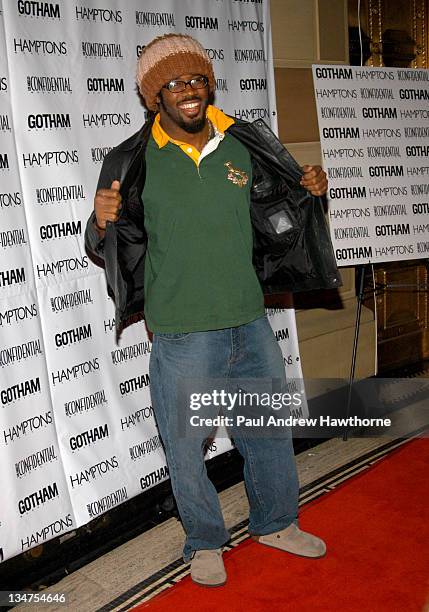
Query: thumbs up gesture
[314,180]
[107,204]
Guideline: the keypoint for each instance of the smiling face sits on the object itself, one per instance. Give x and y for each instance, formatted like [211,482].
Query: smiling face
[183,111]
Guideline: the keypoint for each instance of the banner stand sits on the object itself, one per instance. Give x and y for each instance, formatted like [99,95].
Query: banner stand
[377,286]
[361,272]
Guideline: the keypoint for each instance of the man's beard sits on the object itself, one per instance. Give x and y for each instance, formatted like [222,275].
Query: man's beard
[193,127]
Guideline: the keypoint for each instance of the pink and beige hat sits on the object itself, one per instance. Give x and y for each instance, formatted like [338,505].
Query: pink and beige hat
[167,57]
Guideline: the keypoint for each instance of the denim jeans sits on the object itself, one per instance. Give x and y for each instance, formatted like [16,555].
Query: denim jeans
[247,351]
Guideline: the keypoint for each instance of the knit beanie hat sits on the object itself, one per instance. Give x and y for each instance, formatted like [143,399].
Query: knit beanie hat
[167,57]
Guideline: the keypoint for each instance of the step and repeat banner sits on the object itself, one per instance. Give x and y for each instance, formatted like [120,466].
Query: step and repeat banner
[30,458]
[77,434]
[374,132]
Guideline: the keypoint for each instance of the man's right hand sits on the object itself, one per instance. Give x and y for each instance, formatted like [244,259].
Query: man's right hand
[107,204]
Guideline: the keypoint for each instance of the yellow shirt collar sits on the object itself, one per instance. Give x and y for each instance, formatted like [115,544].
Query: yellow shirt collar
[220,121]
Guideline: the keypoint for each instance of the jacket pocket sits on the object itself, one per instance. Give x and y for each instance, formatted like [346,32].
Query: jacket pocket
[277,223]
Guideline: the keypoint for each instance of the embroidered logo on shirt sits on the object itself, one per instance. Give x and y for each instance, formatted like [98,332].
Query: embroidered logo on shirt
[238,177]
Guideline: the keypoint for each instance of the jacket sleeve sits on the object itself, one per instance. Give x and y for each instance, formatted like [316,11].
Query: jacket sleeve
[93,243]
[296,255]
[121,252]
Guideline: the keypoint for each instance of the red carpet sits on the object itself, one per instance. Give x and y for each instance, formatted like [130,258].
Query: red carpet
[376,526]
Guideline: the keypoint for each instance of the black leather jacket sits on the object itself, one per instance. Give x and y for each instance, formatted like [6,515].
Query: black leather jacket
[292,250]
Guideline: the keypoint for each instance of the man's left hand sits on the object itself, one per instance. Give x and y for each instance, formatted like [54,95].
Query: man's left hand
[314,180]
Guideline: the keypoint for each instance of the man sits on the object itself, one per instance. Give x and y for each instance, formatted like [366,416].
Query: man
[173,224]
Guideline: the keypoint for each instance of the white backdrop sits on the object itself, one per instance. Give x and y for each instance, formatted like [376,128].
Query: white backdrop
[77,429]
[374,132]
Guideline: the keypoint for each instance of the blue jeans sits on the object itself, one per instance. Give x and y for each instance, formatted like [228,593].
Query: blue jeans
[248,351]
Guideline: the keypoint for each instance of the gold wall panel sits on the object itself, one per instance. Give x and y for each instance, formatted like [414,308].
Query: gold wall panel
[407,16]
[296,106]
[420,32]
[402,304]
[306,152]
[402,351]
[293,24]
[333,39]
[402,313]
[398,30]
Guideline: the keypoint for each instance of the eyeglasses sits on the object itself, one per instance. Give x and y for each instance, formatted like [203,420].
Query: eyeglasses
[198,82]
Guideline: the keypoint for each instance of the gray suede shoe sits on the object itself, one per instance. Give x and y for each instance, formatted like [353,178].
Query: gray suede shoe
[207,568]
[295,541]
